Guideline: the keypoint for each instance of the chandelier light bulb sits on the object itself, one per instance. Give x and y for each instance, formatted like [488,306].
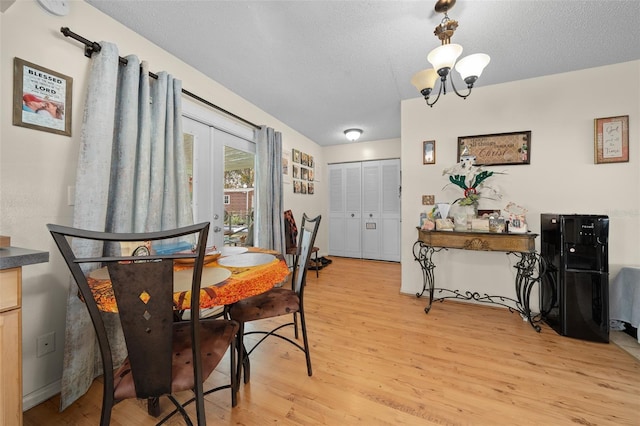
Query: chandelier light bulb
[444,56]
[425,80]
[471,67]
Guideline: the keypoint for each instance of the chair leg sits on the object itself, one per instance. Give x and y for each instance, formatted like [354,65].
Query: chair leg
[307,355]
[240,349]
[243,358]
[295,325]
[317,268]
[246,365]
[235,385]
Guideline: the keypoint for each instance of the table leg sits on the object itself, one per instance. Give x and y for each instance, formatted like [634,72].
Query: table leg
[530,268]
[423,254]
[153,407]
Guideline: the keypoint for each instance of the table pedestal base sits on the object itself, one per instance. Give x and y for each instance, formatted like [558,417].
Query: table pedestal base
[530,267]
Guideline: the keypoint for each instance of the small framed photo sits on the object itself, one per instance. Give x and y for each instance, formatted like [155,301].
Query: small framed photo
[611,140]
[429,152]
[296,155]
[41,98]
[286,167]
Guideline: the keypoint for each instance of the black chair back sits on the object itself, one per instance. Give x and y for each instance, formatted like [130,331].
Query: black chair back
[307,237]
[143,291]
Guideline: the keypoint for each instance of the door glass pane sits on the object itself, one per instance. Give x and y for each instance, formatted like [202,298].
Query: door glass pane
[188,158]
[239,178]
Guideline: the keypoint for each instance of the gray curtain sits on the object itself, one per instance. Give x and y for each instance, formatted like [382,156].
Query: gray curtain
[269,225]
[130,178]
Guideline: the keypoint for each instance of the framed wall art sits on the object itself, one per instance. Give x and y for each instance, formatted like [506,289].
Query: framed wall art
[41,98]
[611,140]
[497,149]
[429,152]
[286,167]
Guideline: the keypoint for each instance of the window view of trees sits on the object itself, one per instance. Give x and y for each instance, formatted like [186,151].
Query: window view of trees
[239,178]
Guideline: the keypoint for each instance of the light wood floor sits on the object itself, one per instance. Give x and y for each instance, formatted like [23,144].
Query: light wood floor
[378,359]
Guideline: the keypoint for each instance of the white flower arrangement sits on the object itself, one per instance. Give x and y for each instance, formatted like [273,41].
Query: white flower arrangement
[472,180]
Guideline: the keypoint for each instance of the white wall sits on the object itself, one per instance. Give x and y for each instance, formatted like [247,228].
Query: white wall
[362,151]
[562,177]
[37,167]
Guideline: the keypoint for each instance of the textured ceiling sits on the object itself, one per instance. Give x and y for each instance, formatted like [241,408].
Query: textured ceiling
[324,66]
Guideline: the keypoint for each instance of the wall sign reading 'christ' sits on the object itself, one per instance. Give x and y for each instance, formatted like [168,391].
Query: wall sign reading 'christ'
[497,149]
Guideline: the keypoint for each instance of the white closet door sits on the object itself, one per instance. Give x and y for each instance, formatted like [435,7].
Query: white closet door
[337,210]
[364,210]
[390,210]
[371,200]
[353,201]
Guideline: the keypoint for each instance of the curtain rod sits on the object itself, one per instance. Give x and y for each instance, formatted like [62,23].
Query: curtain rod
[92,47]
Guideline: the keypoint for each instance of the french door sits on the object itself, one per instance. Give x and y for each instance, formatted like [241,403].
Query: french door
[220,159]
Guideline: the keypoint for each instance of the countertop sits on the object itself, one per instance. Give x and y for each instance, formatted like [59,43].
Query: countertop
[13,257]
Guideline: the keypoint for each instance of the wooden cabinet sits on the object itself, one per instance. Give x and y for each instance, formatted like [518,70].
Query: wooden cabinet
[12,259]
[10,347]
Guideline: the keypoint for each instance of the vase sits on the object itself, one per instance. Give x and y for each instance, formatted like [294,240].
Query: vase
[462,216]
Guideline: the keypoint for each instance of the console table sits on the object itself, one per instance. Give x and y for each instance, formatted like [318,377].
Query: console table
[528,266]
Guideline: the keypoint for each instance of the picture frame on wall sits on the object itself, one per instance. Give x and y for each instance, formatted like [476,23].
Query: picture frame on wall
[41,98]
[286,167]
[497,149]
[611,139]
[295,154]
[429,152]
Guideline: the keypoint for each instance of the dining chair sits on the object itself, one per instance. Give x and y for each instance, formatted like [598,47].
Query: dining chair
[291,242]
[164,355]
[277,302]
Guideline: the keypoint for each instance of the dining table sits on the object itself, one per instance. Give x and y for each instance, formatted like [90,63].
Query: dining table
[235,274]
[232,274]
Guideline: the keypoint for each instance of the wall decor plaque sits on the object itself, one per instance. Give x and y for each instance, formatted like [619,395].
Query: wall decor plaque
[41,98]
[611,140]
[497,149]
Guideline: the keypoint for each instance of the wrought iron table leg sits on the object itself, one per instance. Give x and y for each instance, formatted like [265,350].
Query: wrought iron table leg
[530,268]
[423,254]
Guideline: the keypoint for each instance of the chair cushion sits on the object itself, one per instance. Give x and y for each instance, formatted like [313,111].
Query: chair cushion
[215,338]
[273,303]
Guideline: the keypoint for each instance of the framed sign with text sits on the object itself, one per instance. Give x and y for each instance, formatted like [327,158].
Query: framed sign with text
[611,140]
[497,149]
[41,98]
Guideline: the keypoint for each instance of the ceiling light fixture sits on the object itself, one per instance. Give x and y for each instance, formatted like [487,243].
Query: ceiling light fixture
[444,57]
[353,134]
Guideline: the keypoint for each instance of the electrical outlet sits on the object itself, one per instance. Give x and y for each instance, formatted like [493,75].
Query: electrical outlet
[46,344]
[428,200]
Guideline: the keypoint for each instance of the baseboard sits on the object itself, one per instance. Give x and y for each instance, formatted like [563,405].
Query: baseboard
[41,395]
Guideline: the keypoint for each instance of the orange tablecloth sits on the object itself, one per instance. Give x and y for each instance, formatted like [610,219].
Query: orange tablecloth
[244,282]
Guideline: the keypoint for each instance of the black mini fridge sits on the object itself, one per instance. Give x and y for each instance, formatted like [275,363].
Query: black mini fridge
[574,290]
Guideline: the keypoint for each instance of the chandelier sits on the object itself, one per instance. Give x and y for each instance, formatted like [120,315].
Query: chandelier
[443,58]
